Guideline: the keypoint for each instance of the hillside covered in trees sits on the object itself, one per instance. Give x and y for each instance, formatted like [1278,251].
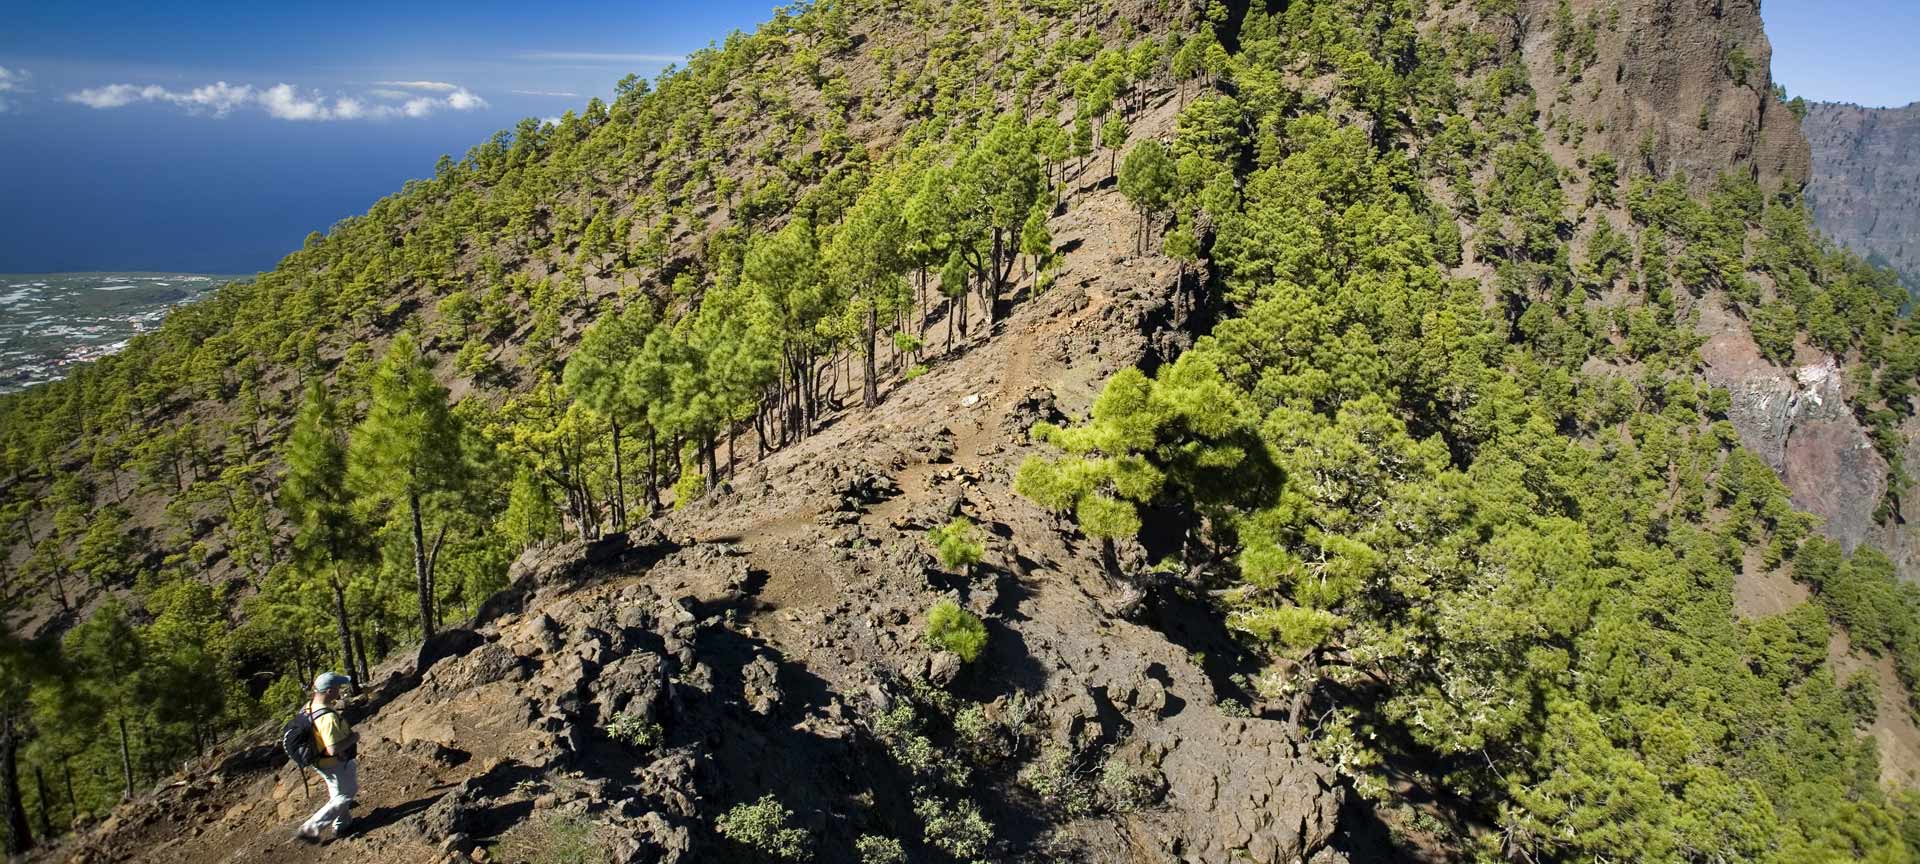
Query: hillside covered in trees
[1866,181]
[1043,431]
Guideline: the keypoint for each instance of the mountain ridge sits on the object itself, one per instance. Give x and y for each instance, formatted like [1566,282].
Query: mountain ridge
[1341,166]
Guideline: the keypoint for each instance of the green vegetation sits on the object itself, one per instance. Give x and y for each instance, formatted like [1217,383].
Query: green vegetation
[958,544]
[1482,532]
[1474,561]
[875,849]
[556,334]
[634,731]
[951,628]
[766,828]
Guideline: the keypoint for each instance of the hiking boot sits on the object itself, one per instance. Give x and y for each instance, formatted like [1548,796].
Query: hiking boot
[311,838]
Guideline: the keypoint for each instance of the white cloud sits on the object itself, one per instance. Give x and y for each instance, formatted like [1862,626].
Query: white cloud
[113,95]
[436,86]
[282,101]
[565,93]
[600,57]
[286,103]
[217,98]
[11,81]
[382,93]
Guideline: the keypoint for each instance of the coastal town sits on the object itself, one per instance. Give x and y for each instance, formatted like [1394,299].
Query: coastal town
[49,322]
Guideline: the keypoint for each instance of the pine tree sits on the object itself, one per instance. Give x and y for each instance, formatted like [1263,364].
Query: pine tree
[108,678]
[953,286]
[929,221]
[784,269]
[1082,137]
[866,256]
[1149,181]
[1113,136]
[327,539]
[13,708]
[1035,240]
[1003,171]
[406,454]
[531,515]
[735,332]
[596,375]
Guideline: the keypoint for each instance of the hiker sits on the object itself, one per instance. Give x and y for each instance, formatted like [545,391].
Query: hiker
[334,750]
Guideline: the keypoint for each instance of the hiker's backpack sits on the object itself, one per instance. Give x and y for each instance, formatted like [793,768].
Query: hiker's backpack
[297,738]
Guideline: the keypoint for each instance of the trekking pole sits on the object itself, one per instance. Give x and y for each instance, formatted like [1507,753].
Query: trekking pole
[306,792]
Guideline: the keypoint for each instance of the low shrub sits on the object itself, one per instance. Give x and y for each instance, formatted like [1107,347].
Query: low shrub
[765,827]
[951,628]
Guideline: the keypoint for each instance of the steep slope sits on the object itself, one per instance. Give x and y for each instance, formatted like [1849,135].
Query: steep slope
[773,645]
[1402,450]
[1865,188]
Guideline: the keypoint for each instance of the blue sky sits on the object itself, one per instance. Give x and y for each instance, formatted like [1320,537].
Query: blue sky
[159,136]
[1859,51]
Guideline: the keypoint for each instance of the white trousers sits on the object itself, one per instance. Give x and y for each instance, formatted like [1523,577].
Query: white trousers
[343,782]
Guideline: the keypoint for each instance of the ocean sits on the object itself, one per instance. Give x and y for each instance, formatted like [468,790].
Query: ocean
[50,321]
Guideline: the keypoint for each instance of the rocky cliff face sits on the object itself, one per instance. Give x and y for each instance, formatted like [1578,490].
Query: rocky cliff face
[1671,86]
[1798,420]
[1675,87]
[1865,189]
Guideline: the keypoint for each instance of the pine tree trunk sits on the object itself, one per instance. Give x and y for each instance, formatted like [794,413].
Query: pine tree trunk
[421,578]
[1298,707]
[995,278]
[346,632]
[366,671]
[60,584]
[46,807]
[619,481]
[653,471]
[19,833]
[920,304]
[126,757]
[870,387]
[713,461]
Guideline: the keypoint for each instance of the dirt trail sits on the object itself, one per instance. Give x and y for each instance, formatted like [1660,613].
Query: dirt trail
[1016,355]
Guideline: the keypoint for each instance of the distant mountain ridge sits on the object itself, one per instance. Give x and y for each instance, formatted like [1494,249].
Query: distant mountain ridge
[1865,188]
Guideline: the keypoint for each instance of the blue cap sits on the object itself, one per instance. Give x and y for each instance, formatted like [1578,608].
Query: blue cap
[329,680]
